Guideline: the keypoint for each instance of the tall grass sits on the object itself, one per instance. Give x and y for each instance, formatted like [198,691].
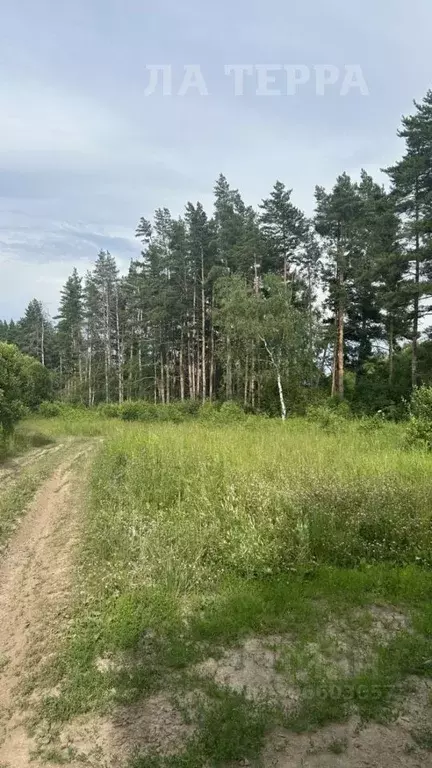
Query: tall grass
[185,504]
[199,534]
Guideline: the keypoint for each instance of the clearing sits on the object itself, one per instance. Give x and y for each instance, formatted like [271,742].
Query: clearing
[198,595]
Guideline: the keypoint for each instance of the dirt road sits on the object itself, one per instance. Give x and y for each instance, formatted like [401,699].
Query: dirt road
[34,585]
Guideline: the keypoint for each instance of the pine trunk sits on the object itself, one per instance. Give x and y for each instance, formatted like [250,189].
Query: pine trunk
[181,367]
[168,381]
[130,374]
[212,361]
[229,370]
[252,379]
[338,372]
[191,370]
[391,352]
[203,330]
[89,373]
[43,342]
[119,354]
[246,382]
[414,363]
[162,379]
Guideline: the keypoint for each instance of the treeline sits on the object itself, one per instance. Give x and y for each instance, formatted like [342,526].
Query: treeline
[264,307]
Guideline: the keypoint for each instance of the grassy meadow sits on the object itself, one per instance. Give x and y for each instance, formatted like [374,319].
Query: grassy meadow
[200,535]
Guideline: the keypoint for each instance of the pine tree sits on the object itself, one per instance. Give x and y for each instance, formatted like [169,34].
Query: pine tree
[285,228]
[411,180]
[69,332]
[337,221]
[104,331]
[200,246]
[35,332]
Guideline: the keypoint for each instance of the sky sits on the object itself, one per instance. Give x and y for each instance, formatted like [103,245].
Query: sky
[88,146]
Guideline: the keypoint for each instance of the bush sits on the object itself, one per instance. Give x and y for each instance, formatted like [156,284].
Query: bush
[49,410]
[419,433]
[169,412]
[137,411]
[227,413]
[189,407]
[419,430]
[24,383]
[208,412]
[421,404]
[109,410]
[343,409]
[144,411]
[327,418]
[372,423]
[230,412]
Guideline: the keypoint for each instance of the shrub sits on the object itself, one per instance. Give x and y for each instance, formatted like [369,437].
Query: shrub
[419,433]
[327,418]
[133,411]
[18,373]
[109,410]
[208,412]
[188,407]
[169,412]
[342,409]
[421,403]
[419,430]
[49,410]
[230,412]
[371,423]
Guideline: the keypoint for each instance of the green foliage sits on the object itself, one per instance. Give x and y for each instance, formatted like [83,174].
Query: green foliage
[419,433]
[372,423]
[230,413]
[421,403]
[208,411]
[109,410]
[49,410]
[23,383]
[419,429]
[329,418]
[138,411]
[144,411]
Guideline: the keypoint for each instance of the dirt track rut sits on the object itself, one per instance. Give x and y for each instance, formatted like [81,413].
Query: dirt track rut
[34,585]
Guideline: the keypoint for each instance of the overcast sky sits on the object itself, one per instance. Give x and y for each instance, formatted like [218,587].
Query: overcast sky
[84,152]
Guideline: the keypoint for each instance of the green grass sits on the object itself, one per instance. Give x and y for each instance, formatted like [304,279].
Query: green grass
[198,536]
[22,441]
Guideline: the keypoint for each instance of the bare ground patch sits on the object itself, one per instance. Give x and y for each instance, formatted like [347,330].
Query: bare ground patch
[353,745]
[152,726]
[252,668]
[274,667]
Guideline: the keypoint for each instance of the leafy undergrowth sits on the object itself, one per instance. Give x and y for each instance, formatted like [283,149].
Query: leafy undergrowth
[304,552]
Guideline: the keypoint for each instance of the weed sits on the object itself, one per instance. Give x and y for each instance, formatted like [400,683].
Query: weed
[423,738]
[338,746]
